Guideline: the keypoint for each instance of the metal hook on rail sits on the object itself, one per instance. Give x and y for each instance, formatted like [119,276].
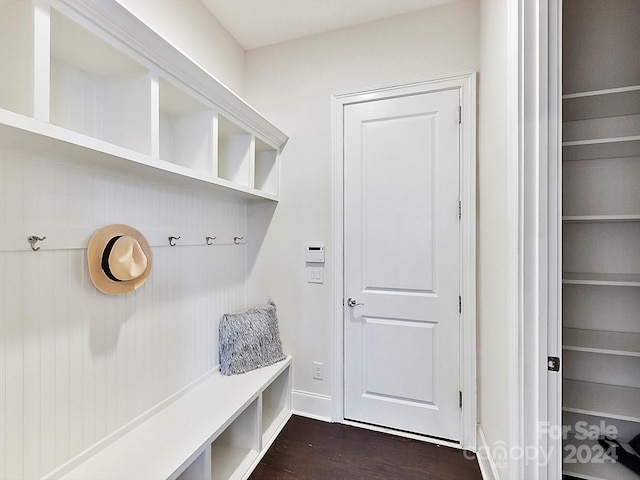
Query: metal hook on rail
[33,240]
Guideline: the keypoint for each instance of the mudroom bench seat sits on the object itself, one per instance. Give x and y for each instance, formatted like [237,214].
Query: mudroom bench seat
[220,429]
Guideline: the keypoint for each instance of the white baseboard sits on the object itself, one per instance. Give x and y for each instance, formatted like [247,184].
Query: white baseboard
[485,458]
[312,405]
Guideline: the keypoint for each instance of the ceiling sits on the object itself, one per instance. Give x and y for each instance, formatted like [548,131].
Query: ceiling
[256,23]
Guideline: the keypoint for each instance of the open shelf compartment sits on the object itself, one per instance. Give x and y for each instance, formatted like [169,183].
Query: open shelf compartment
[601,341]
[199,469]
[96,90]
[606,248]
[602,188]
[237,447]
[621,126]
[276,405]
[235,153]
[601,149]
[17,56]
[266,167]
[601,104]
[612,401]
[186,130]
[596,307]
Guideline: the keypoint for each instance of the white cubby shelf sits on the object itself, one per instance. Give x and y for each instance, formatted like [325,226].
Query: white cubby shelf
[601,148]
[275,410]
[88,80]
[601,341]
[600,218]
[214,430]
[604,400]
[602,279]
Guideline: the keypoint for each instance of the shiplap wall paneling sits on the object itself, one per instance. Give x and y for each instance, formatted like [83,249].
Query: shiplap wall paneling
[77,365]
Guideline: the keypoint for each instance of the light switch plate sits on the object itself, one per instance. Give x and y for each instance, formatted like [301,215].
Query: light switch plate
[318,370]
[315,274]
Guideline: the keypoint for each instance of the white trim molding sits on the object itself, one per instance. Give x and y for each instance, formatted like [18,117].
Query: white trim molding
[466,84]
[486,461]
[311,405]
[552,413]
[536,392]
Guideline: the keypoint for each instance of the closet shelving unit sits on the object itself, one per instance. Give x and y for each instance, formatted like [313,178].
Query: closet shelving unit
[601,273]
[84,80]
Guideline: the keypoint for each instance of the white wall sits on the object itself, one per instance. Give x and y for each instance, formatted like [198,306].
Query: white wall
[193,30]
[292,83]
[494,288]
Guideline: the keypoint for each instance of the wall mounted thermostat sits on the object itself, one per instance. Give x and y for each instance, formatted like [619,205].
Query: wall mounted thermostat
[314,254]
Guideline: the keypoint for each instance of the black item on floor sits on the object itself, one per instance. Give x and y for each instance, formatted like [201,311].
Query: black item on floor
[615,450]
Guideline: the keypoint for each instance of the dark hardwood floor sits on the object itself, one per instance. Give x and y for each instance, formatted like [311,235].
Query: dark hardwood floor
[314,450]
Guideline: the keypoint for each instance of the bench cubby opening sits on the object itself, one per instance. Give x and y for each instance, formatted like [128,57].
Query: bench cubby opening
[276,405]
[217,429]
[233,452]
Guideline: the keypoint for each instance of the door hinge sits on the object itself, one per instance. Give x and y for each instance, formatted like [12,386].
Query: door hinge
[553,364]
[460,399]
[459,304]
[460,114]
[459,209]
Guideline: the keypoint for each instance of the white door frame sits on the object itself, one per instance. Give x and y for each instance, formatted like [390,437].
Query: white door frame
[535,409]
[466,84]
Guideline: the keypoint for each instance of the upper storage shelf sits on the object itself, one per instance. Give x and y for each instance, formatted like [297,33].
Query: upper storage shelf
[601,124]
[86,79]
[601,341]
[601,103]
[96,90]
[187,129]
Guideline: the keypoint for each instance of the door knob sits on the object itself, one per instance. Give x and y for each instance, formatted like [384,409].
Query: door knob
[353,303]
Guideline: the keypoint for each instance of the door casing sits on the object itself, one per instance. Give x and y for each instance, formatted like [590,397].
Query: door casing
[466,83]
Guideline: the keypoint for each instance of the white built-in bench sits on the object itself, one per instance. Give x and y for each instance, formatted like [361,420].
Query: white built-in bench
[220,429]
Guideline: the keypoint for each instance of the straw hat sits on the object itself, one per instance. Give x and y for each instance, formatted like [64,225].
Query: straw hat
[119,259]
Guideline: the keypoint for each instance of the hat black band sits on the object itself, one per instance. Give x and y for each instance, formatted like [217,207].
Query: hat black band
[105,258]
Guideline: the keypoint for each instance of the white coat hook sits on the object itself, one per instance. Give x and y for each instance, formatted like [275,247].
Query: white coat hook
[236,240]
[33,239]
[210,240]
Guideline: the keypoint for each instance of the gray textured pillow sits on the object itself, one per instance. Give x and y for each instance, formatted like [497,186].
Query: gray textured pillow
[249,340]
